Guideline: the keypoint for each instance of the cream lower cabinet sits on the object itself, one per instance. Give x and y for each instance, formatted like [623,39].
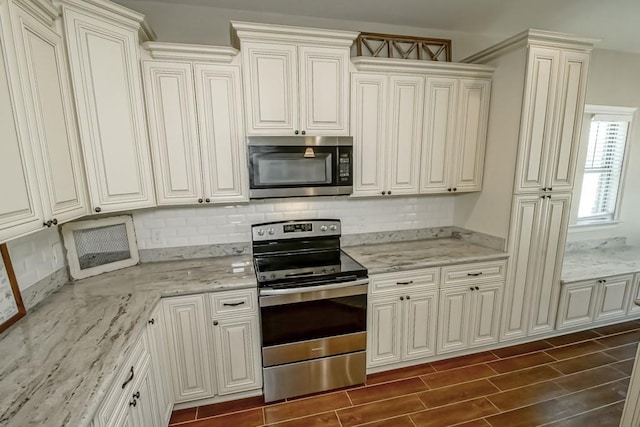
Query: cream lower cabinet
[537,237]
[402,317]
[455,132]
[160,364]
[197,131]
[386,124]
[591,301]
[634,309]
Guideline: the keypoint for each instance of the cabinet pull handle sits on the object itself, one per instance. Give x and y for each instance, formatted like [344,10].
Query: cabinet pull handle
[152,321]
[133,403]
[128,379]
[474,274]
[54,222]
[47,224]
[409,282]
[136,395]
[233,304]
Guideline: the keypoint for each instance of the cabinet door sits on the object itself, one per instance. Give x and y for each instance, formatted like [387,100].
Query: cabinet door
[54,133]
[189,357]
[237,351]
[124,417]
[526,218]
[271,88]
[537,119]
[485,315]
[420,314]
[324,90]
[383,331]
[453,319]
[20,210]
[577,304]
[145,411]
[439,134]
[634,309]
[631,411]
[405,134]
[368,128]
[173,131]
[160,364]
[613,298]
[473,114]
[107,83]
[222,139]
[568,113]
[552,239]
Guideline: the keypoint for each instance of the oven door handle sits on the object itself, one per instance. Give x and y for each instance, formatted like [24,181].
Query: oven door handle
[319,288]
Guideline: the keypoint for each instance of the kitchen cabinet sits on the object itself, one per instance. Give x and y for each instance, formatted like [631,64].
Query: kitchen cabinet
[196,130]
[187,334]
[455,131]
[631,411]
[634,309]
[296,79]
[598,300]
[470,305]
[386,125]
[402,317]
[156,328]
[103,49]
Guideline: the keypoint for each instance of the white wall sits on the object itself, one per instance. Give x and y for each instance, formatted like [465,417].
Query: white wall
[182,23]
[614,79]
[191,226]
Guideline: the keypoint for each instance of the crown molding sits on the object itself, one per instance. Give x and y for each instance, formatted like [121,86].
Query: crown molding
[363,63]
[43,10]
[190,52]
[251,31]
[533,37]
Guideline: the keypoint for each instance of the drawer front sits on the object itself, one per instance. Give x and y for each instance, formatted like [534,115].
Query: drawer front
[405,280]
[122,386]
[492,271]
[234,302]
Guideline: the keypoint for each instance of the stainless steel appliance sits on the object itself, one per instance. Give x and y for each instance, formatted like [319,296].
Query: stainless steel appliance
[313,308]
[286,166]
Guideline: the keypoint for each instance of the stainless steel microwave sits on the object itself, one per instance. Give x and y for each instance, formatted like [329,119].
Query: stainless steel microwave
[290,166]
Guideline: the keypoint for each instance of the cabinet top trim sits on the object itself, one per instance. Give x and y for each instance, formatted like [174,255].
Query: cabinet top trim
[533,37]
[44,10]
[190,52]
[415,66]
[251,31]
[116,12]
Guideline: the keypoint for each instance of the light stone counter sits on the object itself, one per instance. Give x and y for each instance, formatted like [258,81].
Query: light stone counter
[597,263]
[387,257]
[57,363]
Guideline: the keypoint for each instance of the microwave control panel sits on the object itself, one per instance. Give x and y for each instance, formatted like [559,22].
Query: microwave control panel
[344,167]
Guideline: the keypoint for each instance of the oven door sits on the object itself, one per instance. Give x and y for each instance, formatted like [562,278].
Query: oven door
[286,171]
[309,323]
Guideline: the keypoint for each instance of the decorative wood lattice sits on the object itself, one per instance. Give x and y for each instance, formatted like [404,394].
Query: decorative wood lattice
[405,47]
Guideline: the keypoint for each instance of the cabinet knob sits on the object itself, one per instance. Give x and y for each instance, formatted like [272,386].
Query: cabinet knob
[207,200]
[544,188]
[200,200]
[550,188]
[54,222]
[604,281]
[136,395]
[401,298]
[304,132]
[408,297]
[152,321]
[98,209]
[296,132]
[477,288]
[384,192]
[47,223]
[133,403]
[471,288]
[455,189]
[215,323]
[543,196]
[548,196]
[389,192]
[448,189]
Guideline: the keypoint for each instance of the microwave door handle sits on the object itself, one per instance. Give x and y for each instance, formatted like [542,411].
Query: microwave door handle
[269,292]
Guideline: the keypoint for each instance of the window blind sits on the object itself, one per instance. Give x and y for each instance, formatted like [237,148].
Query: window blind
[603,168]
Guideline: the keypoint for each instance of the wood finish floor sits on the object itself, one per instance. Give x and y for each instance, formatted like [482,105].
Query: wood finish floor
[578,380]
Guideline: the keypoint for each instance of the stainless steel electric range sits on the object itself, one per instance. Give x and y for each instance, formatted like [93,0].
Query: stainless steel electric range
[313,308]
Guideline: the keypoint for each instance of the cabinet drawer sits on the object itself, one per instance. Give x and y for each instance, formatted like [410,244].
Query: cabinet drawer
[234,302]
[473,273]
[405,280]
[122,385]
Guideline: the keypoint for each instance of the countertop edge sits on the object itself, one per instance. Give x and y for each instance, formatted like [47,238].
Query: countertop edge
[440,263]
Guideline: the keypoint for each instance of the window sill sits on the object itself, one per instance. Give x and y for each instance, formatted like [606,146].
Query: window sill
[591,226]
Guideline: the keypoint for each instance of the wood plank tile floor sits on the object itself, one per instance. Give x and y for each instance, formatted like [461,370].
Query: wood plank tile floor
[580,379]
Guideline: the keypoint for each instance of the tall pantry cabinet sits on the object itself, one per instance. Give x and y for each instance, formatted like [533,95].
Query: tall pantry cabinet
[551,108]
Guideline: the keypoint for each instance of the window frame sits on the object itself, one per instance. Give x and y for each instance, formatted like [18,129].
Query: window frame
[590,111]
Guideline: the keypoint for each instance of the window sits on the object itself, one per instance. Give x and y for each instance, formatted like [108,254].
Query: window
[604,162]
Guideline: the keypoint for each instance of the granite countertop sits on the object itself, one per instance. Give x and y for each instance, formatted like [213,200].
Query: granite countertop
[397,256]
[595,263]
[57,363]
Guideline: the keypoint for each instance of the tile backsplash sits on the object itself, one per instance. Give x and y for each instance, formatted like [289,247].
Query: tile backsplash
[203,225]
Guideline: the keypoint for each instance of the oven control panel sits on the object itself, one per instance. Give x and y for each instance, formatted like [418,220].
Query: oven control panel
[283,230]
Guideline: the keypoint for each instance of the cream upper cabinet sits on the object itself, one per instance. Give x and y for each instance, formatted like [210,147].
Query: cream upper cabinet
[20,210]
[296,79]
[386,124]
[196,126]
[552,115]
[455,131]
[107,81]
[52,123]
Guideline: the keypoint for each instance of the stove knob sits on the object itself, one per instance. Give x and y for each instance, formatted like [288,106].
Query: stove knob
[273,276]
[323,228]
[262,277]
[261,232]
[333,270]
[333,227]
[323,271]
[271,232]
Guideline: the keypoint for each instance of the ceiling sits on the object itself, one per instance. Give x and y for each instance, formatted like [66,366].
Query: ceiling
[616,22]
